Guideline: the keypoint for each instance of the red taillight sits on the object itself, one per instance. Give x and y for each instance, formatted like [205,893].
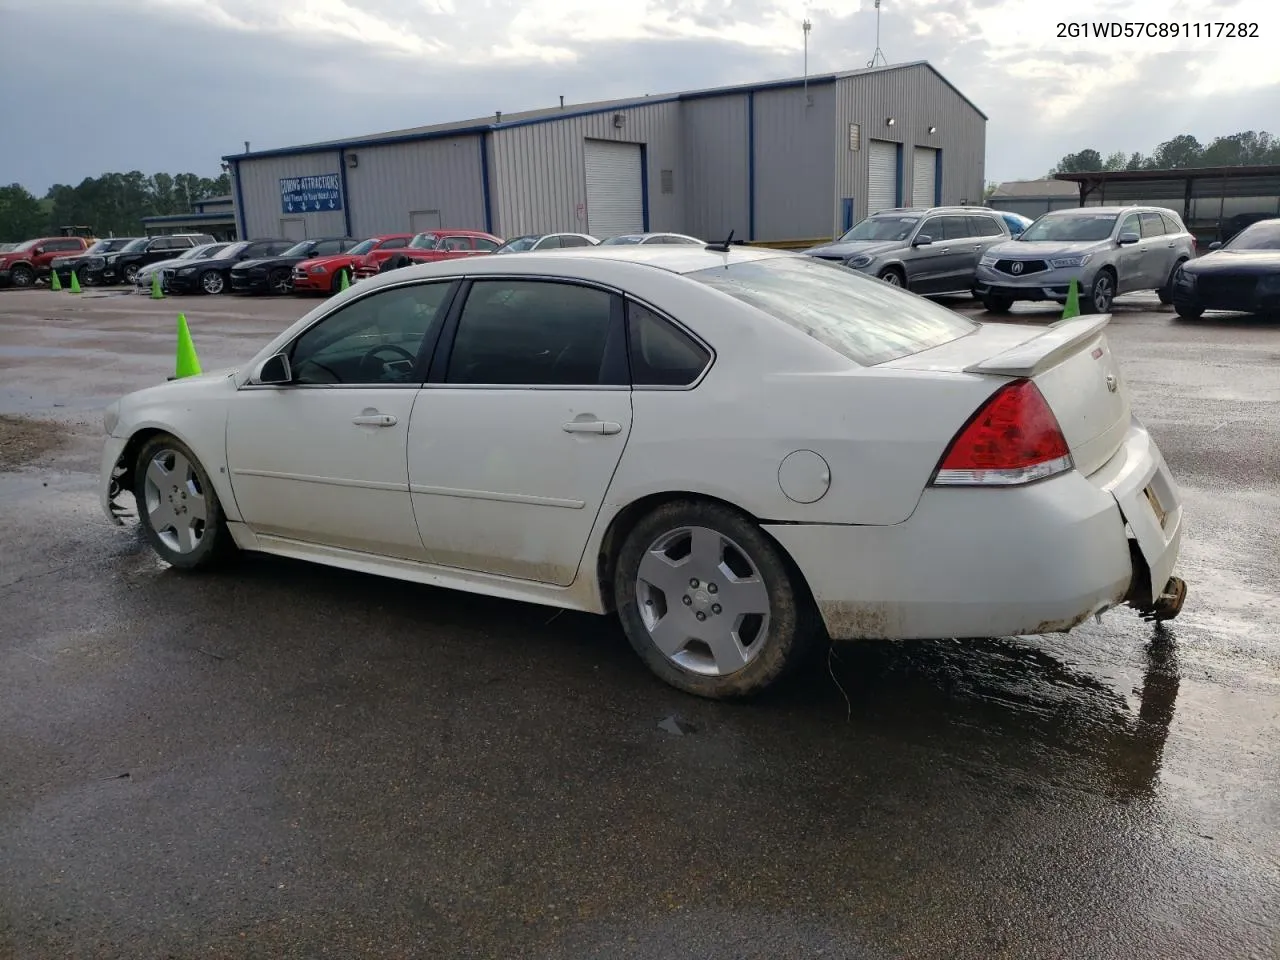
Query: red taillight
[1013,439]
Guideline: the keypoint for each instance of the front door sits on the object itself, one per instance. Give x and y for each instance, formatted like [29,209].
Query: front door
[323,458]
[1130,259]
[515,441]
[928,265]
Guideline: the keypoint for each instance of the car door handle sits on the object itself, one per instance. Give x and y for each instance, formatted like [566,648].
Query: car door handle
[374,420]
[606,427]
[1171,245]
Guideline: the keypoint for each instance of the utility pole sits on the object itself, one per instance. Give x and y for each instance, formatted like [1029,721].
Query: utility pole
[878,58]
[806,27]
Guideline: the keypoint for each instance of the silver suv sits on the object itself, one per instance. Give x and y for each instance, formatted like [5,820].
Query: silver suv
[931,250]
[1109,250]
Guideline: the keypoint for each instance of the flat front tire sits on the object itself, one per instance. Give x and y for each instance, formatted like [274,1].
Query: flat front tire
[177,506]
[709,603]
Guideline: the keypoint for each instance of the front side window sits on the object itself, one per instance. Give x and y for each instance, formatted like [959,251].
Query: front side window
[424,241]
[456,244]
[375,340]
[661,354]
[552,242]
[396,243]
[363,247]
[859,317]
[327,248]
[955,228]
[533,333]
[1131,224]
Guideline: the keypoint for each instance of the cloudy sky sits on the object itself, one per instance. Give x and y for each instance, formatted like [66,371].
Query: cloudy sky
[96,85]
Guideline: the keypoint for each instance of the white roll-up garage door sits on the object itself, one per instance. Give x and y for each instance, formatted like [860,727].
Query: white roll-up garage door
[882,178]
[615,195]
[924,171]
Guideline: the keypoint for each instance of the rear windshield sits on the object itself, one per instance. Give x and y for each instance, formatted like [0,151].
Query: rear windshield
[859,317]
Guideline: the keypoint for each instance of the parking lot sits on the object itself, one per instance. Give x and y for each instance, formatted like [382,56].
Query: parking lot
[318,763]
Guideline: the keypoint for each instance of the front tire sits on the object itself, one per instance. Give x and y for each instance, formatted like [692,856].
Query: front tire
[280,282]
[1165,293]
[709,603]
[177,506]
[1187,311]
[22,276]
[131,274]
[893,277]
[212,282]
[1102,293]
[997,304]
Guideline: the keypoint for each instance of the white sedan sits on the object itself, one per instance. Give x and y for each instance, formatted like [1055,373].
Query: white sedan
[731,448]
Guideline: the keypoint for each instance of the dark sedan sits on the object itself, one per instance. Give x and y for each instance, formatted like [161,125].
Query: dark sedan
[212,276]
[275,274]
[1241,275]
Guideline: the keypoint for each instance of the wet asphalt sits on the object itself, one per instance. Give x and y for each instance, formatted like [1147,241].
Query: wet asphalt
[282,760]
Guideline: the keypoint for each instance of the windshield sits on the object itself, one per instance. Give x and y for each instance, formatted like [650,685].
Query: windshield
[135,245]
[424,241]
[882,228]
[25,245]
[518,244]
[615,241]
[1070,227]
[300,249]
[859,317]
[1260,236]
[364,246]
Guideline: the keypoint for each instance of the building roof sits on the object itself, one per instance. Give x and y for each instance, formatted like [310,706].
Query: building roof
[227,216]
[1183,173]
[548,114]
[1034,189]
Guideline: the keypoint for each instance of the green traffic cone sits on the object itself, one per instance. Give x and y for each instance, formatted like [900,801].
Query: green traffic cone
[156,292]
[188,364]
[343,283]
[1072,309]
[75,282]
[54,282]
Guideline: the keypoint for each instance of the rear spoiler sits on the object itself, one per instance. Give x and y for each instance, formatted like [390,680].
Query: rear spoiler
[1038,354]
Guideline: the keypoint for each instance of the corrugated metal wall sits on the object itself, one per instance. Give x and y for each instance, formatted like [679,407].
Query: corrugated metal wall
[794,178]
[917,99]
[537,179]
[389,182]
[715,166]
[260,191]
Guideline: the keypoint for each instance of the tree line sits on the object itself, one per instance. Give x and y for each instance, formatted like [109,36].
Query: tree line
[112,204]
[1240,149]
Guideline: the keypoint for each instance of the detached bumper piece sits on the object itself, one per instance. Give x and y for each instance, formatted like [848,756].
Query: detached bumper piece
[119,512]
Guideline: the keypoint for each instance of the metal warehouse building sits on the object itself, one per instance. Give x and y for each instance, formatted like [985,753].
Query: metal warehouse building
[786,160]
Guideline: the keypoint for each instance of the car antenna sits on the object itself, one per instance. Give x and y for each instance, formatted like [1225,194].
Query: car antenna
[722,246]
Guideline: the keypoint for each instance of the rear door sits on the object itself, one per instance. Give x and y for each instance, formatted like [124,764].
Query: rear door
[517,434]
[1159,250]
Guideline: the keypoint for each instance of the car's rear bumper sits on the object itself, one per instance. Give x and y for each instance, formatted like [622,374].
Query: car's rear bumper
[999,562]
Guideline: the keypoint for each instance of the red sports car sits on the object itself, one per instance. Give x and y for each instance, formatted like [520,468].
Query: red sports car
[324,274]
[430,245]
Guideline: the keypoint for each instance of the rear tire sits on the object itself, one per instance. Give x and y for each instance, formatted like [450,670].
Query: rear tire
[709,601]
[1187,311]
[177,506]
[997,304]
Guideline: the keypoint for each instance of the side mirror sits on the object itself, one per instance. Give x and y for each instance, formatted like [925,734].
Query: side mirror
[1216,245]
[39,250]
[1127,239]
[922,241]
[274,370]
[1016,234]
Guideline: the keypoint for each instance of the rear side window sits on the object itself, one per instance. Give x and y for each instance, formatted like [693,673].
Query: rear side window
[984,227]
[571,241]
[1152,225]
[486,245]
[859,317]
[662,355]
[1171,224]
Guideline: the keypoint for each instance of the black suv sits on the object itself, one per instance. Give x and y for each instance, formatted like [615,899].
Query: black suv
[65,266]
[122,266]
[275,274]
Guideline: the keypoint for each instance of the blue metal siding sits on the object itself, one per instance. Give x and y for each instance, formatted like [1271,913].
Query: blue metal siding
[644,186]
[484,181]
[898,186]
[937,178]
[235,175]
[346,194]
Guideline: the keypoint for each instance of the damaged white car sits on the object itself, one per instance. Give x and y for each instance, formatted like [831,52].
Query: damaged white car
[739,451]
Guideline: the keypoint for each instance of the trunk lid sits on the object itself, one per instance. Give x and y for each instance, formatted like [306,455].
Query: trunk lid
[1071,363]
